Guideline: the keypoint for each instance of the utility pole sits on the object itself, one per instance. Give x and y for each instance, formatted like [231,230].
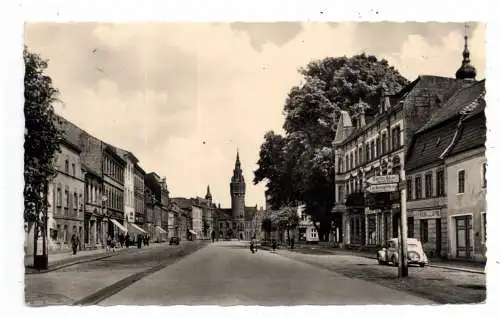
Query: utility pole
[403,228]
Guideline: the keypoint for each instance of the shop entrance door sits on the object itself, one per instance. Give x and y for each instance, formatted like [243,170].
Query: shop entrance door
[463,236]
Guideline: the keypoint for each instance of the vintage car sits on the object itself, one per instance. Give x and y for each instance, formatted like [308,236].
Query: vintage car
[174,241]
[390,252]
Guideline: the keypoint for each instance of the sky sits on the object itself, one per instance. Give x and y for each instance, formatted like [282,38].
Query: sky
[184,97]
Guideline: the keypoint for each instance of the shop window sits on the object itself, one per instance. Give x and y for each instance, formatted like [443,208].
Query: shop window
[424,231]
[461,182]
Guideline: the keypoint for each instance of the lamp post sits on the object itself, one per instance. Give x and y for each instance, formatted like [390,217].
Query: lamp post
[104,198]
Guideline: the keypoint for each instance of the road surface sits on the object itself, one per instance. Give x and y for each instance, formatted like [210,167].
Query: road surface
[226,273]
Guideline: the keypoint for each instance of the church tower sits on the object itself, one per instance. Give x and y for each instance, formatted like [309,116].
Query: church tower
[466,70]
[237,188]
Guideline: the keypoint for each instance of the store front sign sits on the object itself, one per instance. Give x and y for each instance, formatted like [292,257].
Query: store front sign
[419,214]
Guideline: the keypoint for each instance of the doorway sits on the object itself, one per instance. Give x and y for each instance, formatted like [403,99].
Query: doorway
[438,237]
[463,236]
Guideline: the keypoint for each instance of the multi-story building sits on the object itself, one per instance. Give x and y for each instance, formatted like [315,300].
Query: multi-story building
[376,148]
[139,196]
[155,212]
[165,205]
[94,230]
[65,195]
[113,171]
[445,177]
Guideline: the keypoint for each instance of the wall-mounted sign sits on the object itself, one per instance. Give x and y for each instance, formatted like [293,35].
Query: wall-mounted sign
[382,188]
[384,179]
[418,214]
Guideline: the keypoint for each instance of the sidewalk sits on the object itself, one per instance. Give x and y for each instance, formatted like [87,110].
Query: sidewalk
[63,259]
[458,265]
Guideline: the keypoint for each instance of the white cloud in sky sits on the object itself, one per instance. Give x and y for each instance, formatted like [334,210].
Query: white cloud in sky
[160,90]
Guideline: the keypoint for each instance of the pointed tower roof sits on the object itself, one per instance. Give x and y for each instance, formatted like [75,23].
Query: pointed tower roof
[466,70]
[237,172]
[208,195]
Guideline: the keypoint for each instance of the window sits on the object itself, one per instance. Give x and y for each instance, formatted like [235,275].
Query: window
[411,227]
[73,169]
[66,198]
[396,137]
[75,201]
[356,163]
[372,149]
[80,200]
[461,182]
[428,185]
[59,195]
[483,175]
[384,143]
[418,187]
[424,231]
[352,161]
[378,146]
[66,166]
[409,188]
[360,155]
[440,183]
[483,222]
[341,194]
[367,152]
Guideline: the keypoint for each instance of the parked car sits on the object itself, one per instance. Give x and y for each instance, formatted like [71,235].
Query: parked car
[174,241]
[390,252]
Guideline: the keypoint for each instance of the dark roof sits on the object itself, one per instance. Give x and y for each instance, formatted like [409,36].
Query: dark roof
[183,203]
[427,146]
[70,133]
[471,135]
[250,212]
[89,170]
[456,103]
[438,135]
[425,84]
[124,154]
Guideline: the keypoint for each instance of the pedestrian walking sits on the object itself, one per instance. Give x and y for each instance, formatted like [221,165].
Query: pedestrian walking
[108,244]
[139,241]
[75,241]
[127,240]
[292,243]
[275,244]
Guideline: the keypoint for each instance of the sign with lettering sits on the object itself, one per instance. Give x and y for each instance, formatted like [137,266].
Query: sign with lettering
[418,214]
[382,188]
[384,179]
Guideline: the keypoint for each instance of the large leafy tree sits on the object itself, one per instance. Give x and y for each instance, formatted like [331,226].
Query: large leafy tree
[304,170]
[41,141]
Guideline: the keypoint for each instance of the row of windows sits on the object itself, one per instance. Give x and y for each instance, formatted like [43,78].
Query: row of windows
[73,171]
[370,151]
[93,194]
[415,190]
[427,191]
[115,198]
[139,205]
[72,199]
[138,183]
[112,169]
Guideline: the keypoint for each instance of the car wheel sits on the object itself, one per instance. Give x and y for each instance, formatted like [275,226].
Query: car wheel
[422,264]
[393,260]
[379,260]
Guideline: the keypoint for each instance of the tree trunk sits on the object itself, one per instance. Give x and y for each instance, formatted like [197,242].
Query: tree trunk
[44,217]
[35,240]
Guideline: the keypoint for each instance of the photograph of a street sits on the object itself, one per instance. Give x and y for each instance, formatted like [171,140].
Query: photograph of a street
[267,164]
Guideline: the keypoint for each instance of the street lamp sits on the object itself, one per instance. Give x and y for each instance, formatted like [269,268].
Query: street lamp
[104,198]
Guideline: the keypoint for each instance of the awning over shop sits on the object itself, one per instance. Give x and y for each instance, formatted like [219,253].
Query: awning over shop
[119,225]
[193,232]
[160,229]
[132,227]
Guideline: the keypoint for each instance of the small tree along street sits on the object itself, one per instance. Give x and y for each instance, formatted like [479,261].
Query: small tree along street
[299,166]
[41,142]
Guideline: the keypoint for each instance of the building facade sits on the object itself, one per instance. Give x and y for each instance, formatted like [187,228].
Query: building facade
[378,148]
[94,228]
[139,197]
[66,201]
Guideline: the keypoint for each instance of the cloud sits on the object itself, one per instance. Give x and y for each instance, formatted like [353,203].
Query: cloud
[183,97]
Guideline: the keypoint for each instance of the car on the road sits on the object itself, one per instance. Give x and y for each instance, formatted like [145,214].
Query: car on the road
[174,241]
[390,252]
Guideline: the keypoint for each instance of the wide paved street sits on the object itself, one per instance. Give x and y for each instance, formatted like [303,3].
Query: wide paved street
[226,273]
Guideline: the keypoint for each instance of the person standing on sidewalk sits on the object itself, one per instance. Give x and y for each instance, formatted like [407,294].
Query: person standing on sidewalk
[75,241]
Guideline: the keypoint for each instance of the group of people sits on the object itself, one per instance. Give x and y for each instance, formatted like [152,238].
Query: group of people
[124,240]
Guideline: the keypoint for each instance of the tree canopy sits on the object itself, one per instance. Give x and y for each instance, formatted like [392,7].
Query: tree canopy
[299,166]
[41,137]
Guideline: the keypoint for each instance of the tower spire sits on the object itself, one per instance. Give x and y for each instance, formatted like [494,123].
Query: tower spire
[466,70]
[208,195]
